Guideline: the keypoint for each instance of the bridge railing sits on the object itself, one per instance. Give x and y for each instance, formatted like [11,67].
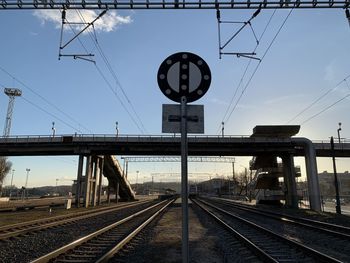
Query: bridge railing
[106,138]
[80,138]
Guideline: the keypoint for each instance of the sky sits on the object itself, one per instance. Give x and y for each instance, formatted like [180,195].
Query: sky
[305,54]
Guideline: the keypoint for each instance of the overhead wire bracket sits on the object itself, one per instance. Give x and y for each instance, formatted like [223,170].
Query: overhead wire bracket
[64,45]
[244,24]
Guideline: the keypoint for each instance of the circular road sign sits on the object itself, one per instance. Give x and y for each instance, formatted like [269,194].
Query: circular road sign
[184,74]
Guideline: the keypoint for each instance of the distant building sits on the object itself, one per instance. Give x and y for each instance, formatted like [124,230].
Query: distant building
[326,181]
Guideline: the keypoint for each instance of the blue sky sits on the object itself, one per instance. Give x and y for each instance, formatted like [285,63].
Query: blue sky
[309,57]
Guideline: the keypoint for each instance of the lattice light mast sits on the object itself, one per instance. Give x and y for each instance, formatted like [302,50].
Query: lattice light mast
[12,93]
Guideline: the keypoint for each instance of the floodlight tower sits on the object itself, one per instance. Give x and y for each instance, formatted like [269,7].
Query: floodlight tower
[12,93]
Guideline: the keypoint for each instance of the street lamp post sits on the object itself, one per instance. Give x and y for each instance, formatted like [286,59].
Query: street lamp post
[222,129]
[337,206]
[25,186]
[53,129]
[339,129]
[56,185]
[13,171]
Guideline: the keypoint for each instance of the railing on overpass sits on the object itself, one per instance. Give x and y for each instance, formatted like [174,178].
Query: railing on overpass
[143,138]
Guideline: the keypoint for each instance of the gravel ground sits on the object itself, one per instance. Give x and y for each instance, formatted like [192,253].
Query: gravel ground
[161,241]
[164,241]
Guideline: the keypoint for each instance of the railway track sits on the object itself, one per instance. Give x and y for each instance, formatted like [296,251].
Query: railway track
[268,245]
[101,245]
[332,229]
[40,224]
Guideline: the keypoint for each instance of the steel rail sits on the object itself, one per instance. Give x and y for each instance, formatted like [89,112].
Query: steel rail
[162,4]
[40,224]
[256,250]
[310,251]
[127,239]
[308,223]
[54,254]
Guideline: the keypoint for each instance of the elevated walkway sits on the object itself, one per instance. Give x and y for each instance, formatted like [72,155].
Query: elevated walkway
[114,174]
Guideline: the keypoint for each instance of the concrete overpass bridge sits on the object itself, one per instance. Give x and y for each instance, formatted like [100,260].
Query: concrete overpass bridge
[162,145]
[92,147]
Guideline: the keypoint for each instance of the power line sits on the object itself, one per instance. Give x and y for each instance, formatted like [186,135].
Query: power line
[258,65]
[47,112]
[118,98]
[327,108]
[114,75]
[52,115]
[94,40]
[44,99]
[320,98]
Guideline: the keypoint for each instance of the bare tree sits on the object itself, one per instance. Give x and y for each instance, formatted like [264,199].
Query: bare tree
[242,180]
[5,168]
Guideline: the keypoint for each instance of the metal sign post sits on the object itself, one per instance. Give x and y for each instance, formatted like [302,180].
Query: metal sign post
[183,77]
[184,180]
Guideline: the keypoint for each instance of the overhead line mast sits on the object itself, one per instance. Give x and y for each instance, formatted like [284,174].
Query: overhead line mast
[162,4]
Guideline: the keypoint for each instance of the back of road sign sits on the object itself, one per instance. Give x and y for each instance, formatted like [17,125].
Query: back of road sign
[172,118]
[184,74]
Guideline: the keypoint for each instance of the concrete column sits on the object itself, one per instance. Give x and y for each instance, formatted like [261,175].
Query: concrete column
[117,193]
[100,180]
[88,172]
[289,180]
[108,193]
[95,164]
[79,180]
[311,172]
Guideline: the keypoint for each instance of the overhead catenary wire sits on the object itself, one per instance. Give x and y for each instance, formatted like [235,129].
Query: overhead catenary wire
[325,109]
[47,112]
[47,102]
[105,78]
[51,114]
[112,71]
[259,63]
[247,67]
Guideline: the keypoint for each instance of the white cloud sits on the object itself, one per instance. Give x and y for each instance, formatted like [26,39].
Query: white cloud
[218,101]
[330,72]
[107,23]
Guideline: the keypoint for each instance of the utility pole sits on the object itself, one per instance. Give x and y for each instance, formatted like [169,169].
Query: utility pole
[117,129]
[337,207]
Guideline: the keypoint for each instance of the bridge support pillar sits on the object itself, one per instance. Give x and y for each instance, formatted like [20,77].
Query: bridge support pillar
[79,181]
[109,193]
[101,162]
[311,172]
[117,193]
[94,181]
[88,173]
[289,180]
